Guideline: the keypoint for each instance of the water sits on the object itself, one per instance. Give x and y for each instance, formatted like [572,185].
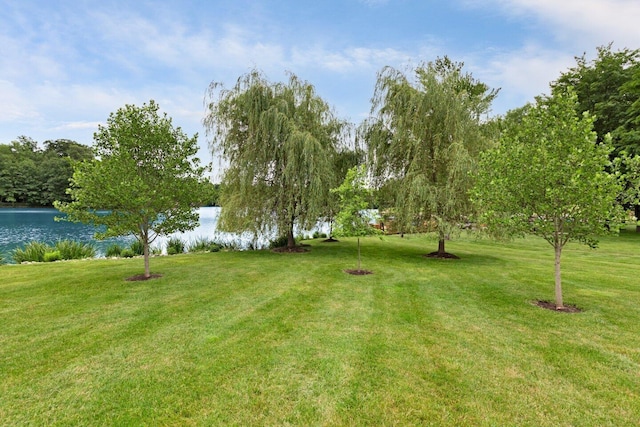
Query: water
[19,226]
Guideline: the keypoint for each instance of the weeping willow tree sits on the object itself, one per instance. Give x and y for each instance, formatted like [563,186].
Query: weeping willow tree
[278,140]
[424,138]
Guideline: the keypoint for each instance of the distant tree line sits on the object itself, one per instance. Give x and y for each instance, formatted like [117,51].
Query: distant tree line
[37,176]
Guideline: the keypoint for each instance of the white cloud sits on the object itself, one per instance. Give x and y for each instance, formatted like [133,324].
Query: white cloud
[521,74]
[584,23]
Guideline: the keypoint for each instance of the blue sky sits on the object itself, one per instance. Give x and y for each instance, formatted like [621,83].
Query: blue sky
[65,65]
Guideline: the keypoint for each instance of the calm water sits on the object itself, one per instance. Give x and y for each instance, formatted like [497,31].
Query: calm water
[19,226]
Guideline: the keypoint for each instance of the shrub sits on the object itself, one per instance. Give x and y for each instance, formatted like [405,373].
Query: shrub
[69,249]
[137,247]
[32,252]
[114,250]
[175,246]
[231,245]
[202,244]
[127,253]
[318,235]
[280,242]
[52,256]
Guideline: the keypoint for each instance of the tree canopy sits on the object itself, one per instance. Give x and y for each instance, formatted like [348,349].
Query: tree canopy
[279,140]
[608,87]
[37,176]
[424,138]
[145,182]
[547,178]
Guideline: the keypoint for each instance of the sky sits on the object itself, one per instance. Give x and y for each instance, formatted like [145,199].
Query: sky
[66,65]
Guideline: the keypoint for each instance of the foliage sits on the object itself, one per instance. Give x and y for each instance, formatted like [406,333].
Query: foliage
[609,88]
[127,253]
[146,177]
[629,169]
[63,249]
[114,250]
[52,256]
[175,246]
[279,242]
[319,235]
[70,249]
[32,252]
[278,140]
[424,140]
[343,159]
[35,176]
[212,194]
[353,194]
[547,178]
[137,247]
[202,244]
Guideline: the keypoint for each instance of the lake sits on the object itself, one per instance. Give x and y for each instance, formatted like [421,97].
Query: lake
[19,226]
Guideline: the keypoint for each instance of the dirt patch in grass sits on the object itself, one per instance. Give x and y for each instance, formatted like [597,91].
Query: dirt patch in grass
[358,272]
[294,250]
[141,277]
[438,255]
[548,305]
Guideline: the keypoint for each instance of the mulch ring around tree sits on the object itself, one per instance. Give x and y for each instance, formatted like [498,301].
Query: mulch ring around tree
[358,272]
[141,277]
[441,255]
[549,305]
[298,249]
[330,240]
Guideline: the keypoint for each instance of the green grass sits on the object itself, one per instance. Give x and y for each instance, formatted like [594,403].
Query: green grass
[259,338]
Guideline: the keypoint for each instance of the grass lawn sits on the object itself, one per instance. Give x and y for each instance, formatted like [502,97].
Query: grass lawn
[259,338]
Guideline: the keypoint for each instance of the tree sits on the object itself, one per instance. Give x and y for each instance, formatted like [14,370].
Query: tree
[423,141]
[548,178]
[278,140]
[629,169]
[343,160]
[351,220]
[607,87]
[34,176]
[146,177]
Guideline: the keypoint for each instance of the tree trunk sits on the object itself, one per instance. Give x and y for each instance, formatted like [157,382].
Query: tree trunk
[358,254]
[291,241]
[145,245]
[558,251]
[636,210]
[441,250]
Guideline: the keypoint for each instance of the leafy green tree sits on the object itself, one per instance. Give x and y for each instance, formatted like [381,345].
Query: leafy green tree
[548,178]
[278,140]
[351,220]
[424,140]
[146,177]
[629,169]
[608,87]
[343,160]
